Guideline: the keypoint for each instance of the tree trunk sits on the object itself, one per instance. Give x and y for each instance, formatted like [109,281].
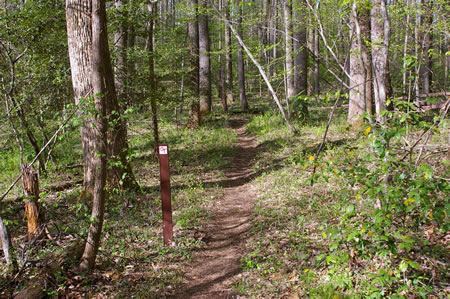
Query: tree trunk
[120,44]
[194,113]
[360,98]
[152,9]
[316,58]
[426,69]
[405,49]
[222,76]
[204,61]
[290,89]
[34,212]
[301,54]
[228,58]
[380,35]
[102,91]
[241,71]
[79,32]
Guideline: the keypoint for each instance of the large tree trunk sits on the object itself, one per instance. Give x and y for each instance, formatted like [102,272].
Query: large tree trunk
[300,50]
[360,98]
[102,90]
[228,58]
[79,31]
[380,35]
[241,71]
[290,90]
[204,60]
[152,9]
[194,113]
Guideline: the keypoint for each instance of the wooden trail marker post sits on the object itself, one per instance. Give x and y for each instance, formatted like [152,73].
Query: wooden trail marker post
[165,193]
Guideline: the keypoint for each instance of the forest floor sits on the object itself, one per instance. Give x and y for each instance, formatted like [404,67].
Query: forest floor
[248,223]
[215,267]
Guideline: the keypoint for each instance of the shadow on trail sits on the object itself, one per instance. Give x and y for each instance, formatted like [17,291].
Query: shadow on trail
[216,266]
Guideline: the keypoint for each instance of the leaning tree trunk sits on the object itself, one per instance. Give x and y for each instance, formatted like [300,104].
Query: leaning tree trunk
[34,212]
[241,70]
[380,35]
[204,60]
[102,91]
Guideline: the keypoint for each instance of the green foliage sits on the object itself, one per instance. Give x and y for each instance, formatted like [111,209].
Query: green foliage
[366,226]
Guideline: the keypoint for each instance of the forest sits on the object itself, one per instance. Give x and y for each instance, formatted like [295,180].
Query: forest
[308,147]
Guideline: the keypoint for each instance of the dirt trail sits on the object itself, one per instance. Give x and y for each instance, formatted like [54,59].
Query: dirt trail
[213,269]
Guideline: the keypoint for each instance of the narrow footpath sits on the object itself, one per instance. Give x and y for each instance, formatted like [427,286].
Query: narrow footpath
[214,268]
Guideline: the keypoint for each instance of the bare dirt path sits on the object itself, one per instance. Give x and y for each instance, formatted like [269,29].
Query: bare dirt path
[214,268]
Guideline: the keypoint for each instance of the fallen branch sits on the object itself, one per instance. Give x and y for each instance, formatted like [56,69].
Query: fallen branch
[61,262]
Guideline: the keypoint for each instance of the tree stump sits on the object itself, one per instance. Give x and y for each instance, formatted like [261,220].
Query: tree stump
[8,249]
[33,211]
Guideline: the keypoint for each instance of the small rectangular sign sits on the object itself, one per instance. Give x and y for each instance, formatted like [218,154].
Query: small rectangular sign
[163,150]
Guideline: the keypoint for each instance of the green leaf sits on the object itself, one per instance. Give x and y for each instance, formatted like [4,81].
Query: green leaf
[414,265]
[403,266]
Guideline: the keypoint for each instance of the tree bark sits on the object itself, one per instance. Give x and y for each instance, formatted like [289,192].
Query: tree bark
[380,36]
[228,57]
[120,44]
[79,32]
[222,75]
[152,9]
[360,98]
[426,69]
[316,58]
[300,50]
[194,113]
[34,212]
[102,91]
[290,89]
[241,70]
[204,60]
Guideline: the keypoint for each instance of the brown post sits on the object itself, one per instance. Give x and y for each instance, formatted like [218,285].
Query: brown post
[165,193]
[34,213]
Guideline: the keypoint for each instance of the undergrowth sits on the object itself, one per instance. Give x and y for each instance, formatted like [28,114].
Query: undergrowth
[132,260]
[371,225]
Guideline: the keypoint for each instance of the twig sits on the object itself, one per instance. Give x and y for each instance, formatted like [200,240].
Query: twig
[324,139]
[441,117]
